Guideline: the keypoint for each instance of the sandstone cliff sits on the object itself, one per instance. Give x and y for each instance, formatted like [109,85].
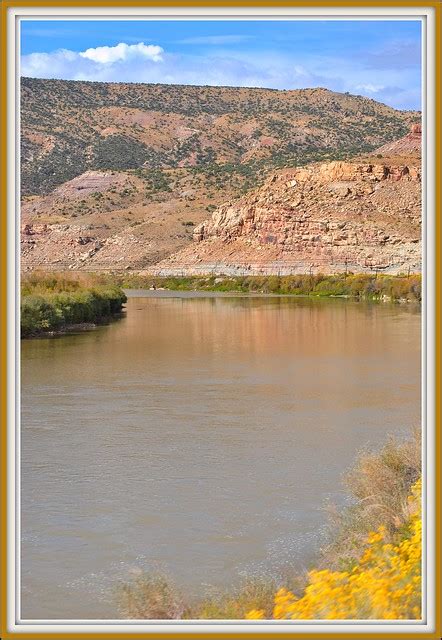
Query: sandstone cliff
[355,215]
[330,217]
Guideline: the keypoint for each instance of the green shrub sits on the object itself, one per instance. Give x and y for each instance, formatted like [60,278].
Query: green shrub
[53,301]
[38,314]
[360,286]
[331,286]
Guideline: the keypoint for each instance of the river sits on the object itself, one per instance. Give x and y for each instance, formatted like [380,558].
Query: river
[200,436]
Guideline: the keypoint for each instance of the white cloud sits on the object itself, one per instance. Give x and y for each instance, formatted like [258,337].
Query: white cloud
[369,88]
[48,65]
[123,51]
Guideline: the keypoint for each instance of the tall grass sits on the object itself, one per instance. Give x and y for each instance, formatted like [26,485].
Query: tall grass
[151,597]
[54,302]
[376,539]
[379,485]
[359,286]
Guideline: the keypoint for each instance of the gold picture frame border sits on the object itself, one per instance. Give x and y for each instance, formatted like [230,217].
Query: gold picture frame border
[117,635]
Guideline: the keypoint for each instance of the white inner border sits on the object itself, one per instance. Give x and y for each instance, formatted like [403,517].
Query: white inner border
[427,16]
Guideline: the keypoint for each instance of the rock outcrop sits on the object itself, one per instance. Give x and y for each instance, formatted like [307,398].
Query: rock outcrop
[329,217]
[408,145]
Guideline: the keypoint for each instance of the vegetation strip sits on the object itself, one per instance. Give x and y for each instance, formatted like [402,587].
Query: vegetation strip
[53,303]
[56,303]
[361,286]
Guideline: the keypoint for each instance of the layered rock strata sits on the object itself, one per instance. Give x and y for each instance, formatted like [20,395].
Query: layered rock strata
[330,217]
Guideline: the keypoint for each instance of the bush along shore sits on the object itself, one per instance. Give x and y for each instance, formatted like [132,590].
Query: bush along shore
[52,304]
[370,567]
[400,288]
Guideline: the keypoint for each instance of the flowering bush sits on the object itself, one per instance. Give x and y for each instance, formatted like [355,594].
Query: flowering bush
[384,584]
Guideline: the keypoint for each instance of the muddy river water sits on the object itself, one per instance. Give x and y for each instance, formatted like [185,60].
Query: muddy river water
[200,436]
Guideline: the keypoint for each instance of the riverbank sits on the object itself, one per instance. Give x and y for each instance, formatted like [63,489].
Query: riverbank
[55,304]
[374,545]
[406,288]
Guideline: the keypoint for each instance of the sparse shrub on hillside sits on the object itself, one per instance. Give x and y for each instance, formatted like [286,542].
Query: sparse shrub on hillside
[62,163]
[156,181]
[119,152]
[66,113]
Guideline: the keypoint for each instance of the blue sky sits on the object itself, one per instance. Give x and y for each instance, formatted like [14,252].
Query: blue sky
[378,59]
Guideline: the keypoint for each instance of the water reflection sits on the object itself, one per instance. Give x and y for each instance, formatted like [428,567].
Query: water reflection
[200,436]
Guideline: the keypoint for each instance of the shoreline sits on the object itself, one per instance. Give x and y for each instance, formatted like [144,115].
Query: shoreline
[213,293]
[376,288]
[359,536]
[73,329]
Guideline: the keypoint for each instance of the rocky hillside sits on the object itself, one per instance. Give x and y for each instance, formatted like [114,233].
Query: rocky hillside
[363,215]
[70,127]
[117,176]
[121,219]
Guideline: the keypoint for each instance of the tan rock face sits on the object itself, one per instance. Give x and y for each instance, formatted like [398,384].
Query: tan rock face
[325,217]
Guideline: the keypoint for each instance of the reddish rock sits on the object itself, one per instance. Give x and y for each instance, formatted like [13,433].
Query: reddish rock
[408,145]
[332,216]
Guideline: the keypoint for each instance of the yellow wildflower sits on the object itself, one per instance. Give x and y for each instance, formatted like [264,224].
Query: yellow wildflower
[255,614]
[385,585]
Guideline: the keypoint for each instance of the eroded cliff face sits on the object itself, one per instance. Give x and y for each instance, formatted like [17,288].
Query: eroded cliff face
[327,217]
[409,144]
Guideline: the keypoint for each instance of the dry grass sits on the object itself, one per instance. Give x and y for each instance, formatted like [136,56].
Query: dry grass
[41,281]
[150,598]
[234,605]
[380,483]
[156,597]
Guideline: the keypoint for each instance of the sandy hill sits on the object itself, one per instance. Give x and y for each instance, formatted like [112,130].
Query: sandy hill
[409,145]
